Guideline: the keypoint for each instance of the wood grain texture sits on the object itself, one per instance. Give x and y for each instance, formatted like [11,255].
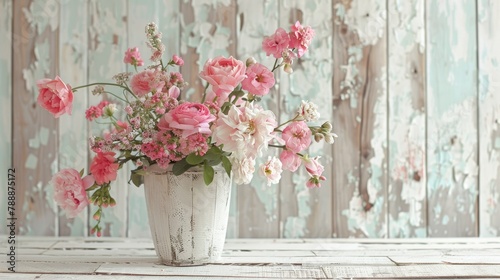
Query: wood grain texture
[5,98]
[257,204]
[73,132]
[35,56]
[488,18]
[406,78]
[452,139]
[308,212]
[107,44]
[360,114]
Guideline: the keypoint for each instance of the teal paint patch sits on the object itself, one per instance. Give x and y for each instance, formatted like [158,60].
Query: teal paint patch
[445,220]
[43,135]
[497,143]
[421,232]
[294,227]
[31,162]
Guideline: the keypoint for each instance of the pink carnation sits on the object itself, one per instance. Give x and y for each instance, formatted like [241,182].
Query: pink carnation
[55,96]
[146,81]
[104,168]
[276,43]
[297,136]
[133,57]
[301,37]
[69,191]
[190,118]
[224,74]
[259,80]
[93,112]
[290,160]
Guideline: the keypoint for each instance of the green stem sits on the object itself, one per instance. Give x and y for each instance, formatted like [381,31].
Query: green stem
[204,93]
[117,96]
[105,84]
[289,121]
[275,66]
[277,146]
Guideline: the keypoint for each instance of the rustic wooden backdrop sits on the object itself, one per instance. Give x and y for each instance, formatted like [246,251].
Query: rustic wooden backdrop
[412,88]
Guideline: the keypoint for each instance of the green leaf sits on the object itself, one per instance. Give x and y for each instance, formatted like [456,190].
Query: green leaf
[208,174]
[181,167]
[194,159]
[214,162]
[82,172]
[227,165]
[136,179]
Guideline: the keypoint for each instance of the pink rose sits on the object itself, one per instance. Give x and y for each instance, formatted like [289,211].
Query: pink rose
[104,168]
[259,80]
[188,117]
[69,191]
[301,37]
[146,81]
[291,161]
[55,96]
[133,57]
[297,136]
[224,74]
[276,43]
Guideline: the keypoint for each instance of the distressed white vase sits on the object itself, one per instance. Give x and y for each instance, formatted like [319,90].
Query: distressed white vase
[188,219]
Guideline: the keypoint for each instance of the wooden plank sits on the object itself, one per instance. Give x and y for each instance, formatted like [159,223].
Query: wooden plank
[14,276]
[301,260]
[308,212]
[275,271]
[412,272]
[107,45]
[35,56]
[452,149]
[406,79]
[470,260]
[257,205]
[488,17]
[59,267]
[360,115]
[134,277]
[5,98]
[73,134]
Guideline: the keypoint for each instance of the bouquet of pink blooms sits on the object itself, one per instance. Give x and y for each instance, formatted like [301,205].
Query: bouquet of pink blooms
[227,127]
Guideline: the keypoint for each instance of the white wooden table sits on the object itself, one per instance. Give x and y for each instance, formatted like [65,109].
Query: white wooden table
[119,258]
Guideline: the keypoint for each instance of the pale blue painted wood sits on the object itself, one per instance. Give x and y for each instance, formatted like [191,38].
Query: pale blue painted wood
[452,139]
[5,101]
[308,212]
[488,18]
[73,132]
[406,85]
[107,44]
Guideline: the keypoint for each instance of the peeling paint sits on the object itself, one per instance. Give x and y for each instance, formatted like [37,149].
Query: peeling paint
[31,162]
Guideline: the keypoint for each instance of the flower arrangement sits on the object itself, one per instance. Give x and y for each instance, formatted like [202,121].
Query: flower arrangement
[226,127]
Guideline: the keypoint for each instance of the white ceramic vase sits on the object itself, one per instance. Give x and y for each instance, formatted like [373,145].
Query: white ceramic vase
[188,219]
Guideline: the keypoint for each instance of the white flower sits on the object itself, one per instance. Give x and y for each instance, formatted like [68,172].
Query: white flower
[245,131]
[271,170]
[109,110]
[308,111]
[243,170]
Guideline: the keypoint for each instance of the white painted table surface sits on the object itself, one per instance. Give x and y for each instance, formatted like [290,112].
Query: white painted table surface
[121,258]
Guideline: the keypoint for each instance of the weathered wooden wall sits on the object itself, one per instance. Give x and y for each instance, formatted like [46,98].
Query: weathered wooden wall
[412,88]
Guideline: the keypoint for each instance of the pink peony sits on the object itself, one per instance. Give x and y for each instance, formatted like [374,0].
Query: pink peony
[146,81]
[259,80]
[301,37]
[188,117]
[69,191]
[133,57]
[297,136]
[177,60]
[224,74]
[277,43]
[290,160]
[271,170]
[104,168]
[55,96]
[244,131]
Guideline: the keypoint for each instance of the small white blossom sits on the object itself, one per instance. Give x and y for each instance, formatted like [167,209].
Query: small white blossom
[109,110]
[308,111]
[243,170]
[271,170]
